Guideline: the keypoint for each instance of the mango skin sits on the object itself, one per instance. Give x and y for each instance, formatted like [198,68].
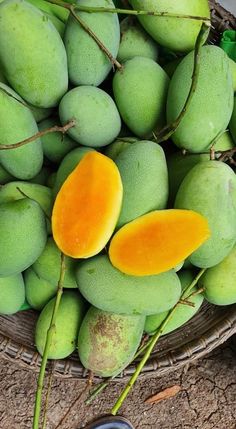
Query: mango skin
[114,149]
[210,189]
[67,165]
[17,124]
[87,63]
[174,33]
[211,107]
[5,177]
[38,290]
[144,175]
[23,235]
[48,265]
[12,294]
[140,91]
[110,290]
[182,314]
[69,317]
[219,282]
[232,65]
[135,42]
[107,342]
[97,118]
[232,124]
[55,147]
[43,76]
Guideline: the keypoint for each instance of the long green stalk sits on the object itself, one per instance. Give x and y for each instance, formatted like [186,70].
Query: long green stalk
[50,332]
[151,346]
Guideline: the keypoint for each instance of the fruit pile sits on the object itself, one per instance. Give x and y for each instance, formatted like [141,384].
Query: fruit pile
[114,184]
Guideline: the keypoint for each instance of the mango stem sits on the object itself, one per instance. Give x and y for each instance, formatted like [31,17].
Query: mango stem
[50,332]
[151,344]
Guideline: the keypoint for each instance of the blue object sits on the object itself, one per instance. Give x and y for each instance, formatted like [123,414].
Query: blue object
[111,422]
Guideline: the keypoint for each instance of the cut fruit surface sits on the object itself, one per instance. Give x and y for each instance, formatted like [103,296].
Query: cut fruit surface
[87,207]
[158,241]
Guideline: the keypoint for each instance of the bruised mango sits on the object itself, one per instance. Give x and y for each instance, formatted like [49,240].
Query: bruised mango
[32,54]
[144,175]
[177,34]
[87,63]
[140,91]
[107,342]
[38,290]
[69,317]
[12,294]
[97,121]
[23,235]
[212,104]
[210,189]
[110,290]
[17,124]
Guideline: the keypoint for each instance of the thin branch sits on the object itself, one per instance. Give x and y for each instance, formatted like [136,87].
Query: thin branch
[55,128]
[47,397]
[50,333]
[169,129]
[185,301]
[227,154]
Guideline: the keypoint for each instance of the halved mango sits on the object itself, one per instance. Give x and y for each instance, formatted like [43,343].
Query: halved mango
[158,241]
[87,207]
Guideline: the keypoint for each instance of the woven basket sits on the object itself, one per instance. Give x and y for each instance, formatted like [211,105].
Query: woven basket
[211,327]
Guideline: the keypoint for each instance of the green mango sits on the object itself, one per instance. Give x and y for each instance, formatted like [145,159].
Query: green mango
[38,290]
[97,118]
[40,113]
[55,145]
[179,165]
[48,266]
[219,282]
[42,177]
[232,65]
[177,34]
[140,91]
[17,124]
[87,63]
[14,191]
[23,235]
[111,290]
[67,165]
[59,12]
[144,175]
[183,313]
[212,104]
[114,149]
[5,177]
[232,125]
[12,294]
[32,54]
[59,25]
[107,342]
[69,317]
[210,189]
[135,42]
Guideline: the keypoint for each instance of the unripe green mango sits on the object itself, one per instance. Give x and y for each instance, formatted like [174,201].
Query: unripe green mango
[111,290]
[5,177]
[140,90]
[55,145]
[87,63]
[212,104]
[232,65]
[210,189]
[69,317]
[17,124]
[135,42]
[59,25]
[32,54]
[182,314]
[51,9]
[67,165]
[48,266]
[23,235]
[144,175]
[219,282]
[177,34]
[40,113]
[114,149]
[107,342]
[179,165]
[12,294]
[38,290]
[97,118]
[14,191]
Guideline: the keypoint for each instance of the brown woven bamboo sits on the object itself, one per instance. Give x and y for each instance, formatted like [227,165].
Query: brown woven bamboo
[210,327]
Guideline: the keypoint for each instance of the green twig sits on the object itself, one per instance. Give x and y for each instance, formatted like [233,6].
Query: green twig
[150,346]
[95,392]
[47,398]
[50,333]
[169,129]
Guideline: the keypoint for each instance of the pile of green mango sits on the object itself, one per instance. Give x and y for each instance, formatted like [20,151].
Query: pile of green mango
[52,72]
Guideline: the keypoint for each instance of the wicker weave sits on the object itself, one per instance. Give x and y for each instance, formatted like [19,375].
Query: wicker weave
[209,328]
